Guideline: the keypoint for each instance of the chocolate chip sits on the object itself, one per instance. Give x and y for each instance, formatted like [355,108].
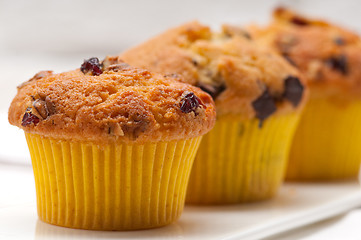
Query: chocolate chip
[339,41]
[189,103]
[338,63]
[264,106]
[299,21]
[92,65]
[212,90]
[29,118]
[293,90]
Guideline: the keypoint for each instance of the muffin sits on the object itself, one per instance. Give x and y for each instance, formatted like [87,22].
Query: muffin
[326,143]
[111,145]
[258,97]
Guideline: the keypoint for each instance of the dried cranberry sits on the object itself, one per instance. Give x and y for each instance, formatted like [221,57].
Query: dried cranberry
[93,65]
[338,63]
[264,106]
[29,118]
[212,90]
[293,90]
[189,103]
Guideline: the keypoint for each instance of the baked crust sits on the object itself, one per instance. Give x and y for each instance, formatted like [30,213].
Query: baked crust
[123,103]
[228,65]
[329,56]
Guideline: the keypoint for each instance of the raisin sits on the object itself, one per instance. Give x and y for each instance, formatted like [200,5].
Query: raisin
[212,90]
[264,106]
[338,63]
[29,118]
[299,21]
[293,90]
[92,65]
[190,102]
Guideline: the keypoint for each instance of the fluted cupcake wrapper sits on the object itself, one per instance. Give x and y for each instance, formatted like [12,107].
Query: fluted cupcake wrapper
[327,142]
[238,161]
[110,187]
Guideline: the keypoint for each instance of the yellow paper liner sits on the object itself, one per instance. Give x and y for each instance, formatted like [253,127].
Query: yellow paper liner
[327,142]
[110,187]
[238,161]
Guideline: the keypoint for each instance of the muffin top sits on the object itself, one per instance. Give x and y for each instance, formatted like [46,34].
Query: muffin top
[111,101]
[245,79]
[328,56]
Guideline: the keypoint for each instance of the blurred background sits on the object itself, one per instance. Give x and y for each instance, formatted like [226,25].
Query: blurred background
[57,35]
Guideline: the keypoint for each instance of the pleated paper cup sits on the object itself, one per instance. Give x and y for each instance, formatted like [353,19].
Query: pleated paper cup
[116,186]
[327,143]
[239,161]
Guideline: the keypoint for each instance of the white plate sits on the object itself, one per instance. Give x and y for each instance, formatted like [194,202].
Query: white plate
[296,205]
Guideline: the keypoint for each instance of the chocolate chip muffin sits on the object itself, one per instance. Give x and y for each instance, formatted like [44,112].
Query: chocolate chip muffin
[111,145]
[326,142]
[258,96]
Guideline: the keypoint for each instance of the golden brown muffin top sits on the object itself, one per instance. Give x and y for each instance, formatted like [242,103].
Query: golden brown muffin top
[244,79]
[111,101]
[328,55]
